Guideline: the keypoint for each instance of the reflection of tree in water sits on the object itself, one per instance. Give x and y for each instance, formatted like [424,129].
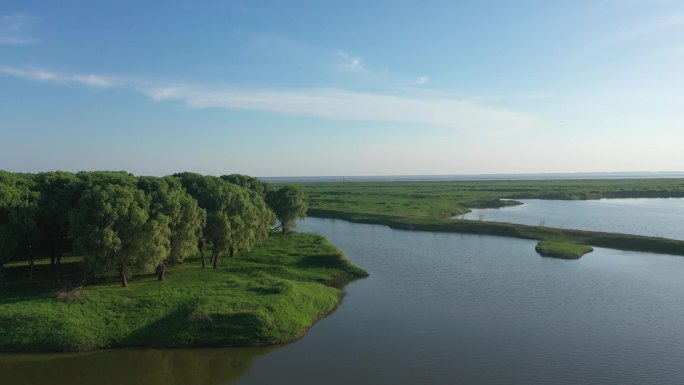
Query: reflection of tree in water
[131,367]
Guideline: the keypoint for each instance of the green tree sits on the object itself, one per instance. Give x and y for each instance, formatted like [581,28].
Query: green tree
[184,217]
[249,182]
[289,204]
[114,232]
[204,189]
[19,232]
[256,220]
[95,178]
[237,218]
[59,194]
[226,218]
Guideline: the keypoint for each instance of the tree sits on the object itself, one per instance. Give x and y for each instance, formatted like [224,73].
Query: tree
[257,219]
[59,194]
[185,218]
[226,217]
[237,218]
[114,232]
[19,232]
[288,204]
[204,189]
[99,178]
[249,182]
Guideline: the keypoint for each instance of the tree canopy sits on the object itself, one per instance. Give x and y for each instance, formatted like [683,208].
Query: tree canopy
[115,232]
[288,204]
[124,225]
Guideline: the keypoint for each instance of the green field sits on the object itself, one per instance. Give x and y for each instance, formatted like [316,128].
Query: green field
[445,199]
[270,295]
[429,206]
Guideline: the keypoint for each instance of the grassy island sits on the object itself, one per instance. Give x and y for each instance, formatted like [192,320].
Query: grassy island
[270,295]
[431,206]
[563,250]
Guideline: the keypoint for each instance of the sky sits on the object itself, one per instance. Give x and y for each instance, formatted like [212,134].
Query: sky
[310,88]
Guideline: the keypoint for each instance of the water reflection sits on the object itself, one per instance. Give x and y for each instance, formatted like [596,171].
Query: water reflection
[439,309]
[130,367]
[659,217]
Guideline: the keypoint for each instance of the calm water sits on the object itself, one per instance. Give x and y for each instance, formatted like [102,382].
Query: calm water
[655,217]
[440,309]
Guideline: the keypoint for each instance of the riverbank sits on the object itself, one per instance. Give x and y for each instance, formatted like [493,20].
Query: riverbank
[271,295]
[580,237]
[446,199]
[430,206]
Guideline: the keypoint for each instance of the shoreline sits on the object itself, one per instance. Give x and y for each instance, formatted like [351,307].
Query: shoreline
[269,297]
[627,242]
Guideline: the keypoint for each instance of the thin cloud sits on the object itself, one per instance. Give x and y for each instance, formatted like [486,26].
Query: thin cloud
[13,29]
[333,104]
[51,77]
[662,24]
[337,104]
[671,51]
[421,80]
[349,63]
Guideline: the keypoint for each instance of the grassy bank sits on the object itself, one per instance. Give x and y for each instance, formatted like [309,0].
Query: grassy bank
[563,250]
[539,233]
[271,295]
[445,199]
[429,206]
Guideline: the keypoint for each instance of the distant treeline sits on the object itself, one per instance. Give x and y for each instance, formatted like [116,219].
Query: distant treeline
[122,224]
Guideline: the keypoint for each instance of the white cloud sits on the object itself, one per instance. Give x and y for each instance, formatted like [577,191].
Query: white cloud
[351,106]
[50,77]
[349,63]
[334,104]
[13,29]
[421,80]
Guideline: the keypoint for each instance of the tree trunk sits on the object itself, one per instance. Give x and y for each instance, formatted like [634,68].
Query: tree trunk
[161,270]
[173,262]
[215,258]
[231,251]
[52,260]
[283,227]
[200,246]
[57,265]
[31,267]
[122,274]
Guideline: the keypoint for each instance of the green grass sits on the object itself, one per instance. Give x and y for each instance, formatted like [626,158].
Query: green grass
[445,199]
[429,206]
[271,295]
[564,250]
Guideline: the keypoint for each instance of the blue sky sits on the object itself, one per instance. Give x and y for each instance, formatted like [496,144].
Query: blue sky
[283,88]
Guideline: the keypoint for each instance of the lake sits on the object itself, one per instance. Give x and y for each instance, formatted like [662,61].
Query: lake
[659,217]
[439,309]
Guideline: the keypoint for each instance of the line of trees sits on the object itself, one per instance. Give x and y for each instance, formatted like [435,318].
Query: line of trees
[122,224]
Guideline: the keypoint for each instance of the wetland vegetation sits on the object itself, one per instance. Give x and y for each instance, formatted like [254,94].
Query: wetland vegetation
[431,206]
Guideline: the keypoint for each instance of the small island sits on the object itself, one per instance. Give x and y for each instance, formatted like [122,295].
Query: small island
[562,249]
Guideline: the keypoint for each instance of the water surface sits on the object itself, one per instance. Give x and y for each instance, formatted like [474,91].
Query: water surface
[659,217]
[441,309]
